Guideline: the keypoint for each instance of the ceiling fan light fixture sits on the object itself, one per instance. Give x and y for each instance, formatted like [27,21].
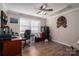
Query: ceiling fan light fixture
[43,9]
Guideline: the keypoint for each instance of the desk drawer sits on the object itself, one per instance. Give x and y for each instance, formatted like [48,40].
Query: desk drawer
[12,48]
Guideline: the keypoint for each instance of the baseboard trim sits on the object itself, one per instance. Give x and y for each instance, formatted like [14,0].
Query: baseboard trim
[62,43]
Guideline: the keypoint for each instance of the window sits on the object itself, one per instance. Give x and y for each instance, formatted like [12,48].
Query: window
[33,25]
[24,24]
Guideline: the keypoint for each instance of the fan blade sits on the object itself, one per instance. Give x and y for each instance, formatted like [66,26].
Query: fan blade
[49,9]
[43,6]
[46,9]
[69,7]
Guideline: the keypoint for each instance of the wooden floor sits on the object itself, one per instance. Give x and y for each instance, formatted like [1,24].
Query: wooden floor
[47,49]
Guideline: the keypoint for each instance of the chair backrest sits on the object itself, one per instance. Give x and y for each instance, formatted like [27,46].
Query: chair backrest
[27,34]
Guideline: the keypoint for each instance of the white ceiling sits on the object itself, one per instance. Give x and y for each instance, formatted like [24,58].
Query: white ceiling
[30,8]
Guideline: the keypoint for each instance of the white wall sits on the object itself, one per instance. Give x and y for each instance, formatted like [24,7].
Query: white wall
[0,6]
[69,35]
[16,27]
[3,7]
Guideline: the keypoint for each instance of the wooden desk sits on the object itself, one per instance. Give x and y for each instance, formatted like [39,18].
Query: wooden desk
[11,48]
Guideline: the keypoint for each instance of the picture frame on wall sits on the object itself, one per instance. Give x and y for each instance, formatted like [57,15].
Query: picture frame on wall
[4,19]
[13,20]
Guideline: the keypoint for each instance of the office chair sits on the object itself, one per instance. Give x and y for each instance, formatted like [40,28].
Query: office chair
[27,34]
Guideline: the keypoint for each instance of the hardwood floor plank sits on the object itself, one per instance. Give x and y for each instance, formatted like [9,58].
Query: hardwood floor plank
[46,49]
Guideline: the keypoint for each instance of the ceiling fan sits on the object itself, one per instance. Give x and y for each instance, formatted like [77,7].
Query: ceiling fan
[43,9]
